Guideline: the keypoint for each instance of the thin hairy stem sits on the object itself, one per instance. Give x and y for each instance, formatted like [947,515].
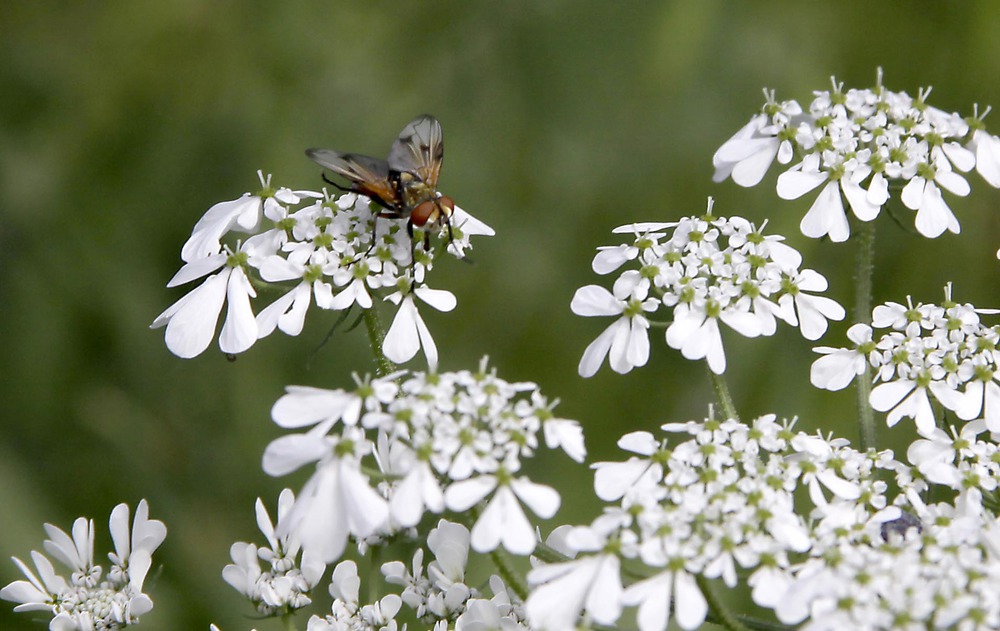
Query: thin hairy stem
[864,265]
[376,336]
[722,395]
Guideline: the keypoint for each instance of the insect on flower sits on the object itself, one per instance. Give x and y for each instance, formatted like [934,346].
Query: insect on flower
[405,184]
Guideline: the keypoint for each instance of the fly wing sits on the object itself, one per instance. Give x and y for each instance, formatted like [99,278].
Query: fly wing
[368,176]
[419,150]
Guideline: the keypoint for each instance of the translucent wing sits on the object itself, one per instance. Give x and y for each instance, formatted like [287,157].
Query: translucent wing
[419,150]
[368,176]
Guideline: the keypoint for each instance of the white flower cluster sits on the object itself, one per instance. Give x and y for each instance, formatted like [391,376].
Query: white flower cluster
[322,250]
[91,600]
[932,566]
[857,145]
[940,351]
[708,270]
[286,583]
[442,441]
[721,505]
[440,597]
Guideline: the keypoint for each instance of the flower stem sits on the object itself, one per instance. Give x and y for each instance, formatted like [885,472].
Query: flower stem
[722,615]
[722,394]
[864,265]
[376,335]
[511,577]
[288,621]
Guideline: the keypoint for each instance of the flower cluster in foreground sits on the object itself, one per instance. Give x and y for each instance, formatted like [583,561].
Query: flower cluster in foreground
[707,270]
[322,251]
[441,441]
[437,595]
[286,581]
[719,503]
[927,351]
[91,600]
[857,144]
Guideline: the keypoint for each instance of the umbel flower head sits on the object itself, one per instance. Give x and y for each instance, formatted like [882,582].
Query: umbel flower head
[708,270]
[91,599]
[809,523]
[286,581]
[449,440]
[436,594]
[331,252]
[941,352]
[857,145]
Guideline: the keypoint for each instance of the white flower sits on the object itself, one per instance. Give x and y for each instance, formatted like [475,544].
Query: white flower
[826,216]
[695,333]
[626,341]
[564,591]
[191,321]
[418,490]
[854,144]
[987,149]
[839,366]
[90,600]
[286,582]
[813,311]
[337,501]
[567,435]
[408,333]
[923,195]
[503,521]
[657,595]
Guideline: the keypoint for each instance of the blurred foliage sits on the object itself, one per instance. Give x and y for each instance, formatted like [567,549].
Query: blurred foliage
[121,122]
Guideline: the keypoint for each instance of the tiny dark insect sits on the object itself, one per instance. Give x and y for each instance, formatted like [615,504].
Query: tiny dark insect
[404,184]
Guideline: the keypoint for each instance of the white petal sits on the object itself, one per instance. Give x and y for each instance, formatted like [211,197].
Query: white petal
[953,183]
[440,299]
[240,329]
[402,341]
[598,349]
[594,300]
[542,500]
[690,607]
[962,158]
[934,216]
[837,370]
[462,495]
[303,406]
[503,521]
[794,184]
[857,197]
[826,216]
[913,193]
[196,269]
[287,453]
[886,396]
[567,435]
[750,171]
[743,322]
[191,327]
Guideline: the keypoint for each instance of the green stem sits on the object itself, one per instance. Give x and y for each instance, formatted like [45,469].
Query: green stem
[864,265]
[722,394]
[511,577]
[376,336]
[722,615]
[288,621]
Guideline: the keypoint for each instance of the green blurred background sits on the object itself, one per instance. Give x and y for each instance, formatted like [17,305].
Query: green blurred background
[122,122]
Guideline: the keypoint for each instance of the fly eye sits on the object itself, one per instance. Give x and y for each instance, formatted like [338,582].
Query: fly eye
[446,202]
[423,213]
